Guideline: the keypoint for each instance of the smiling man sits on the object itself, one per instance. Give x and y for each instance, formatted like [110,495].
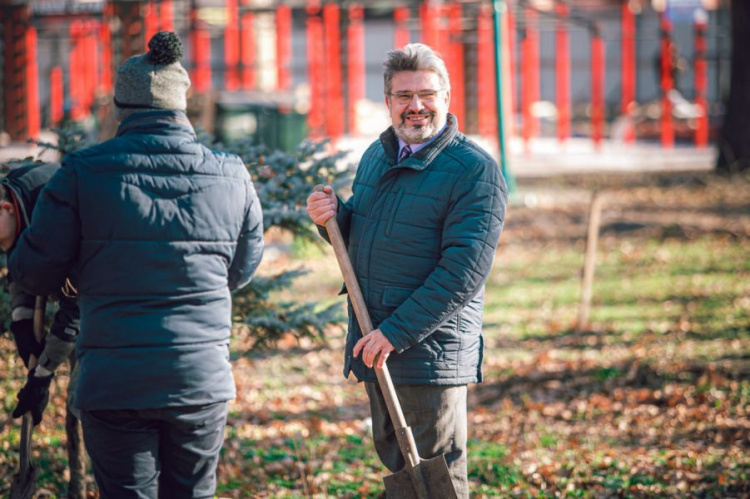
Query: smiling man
[422,225]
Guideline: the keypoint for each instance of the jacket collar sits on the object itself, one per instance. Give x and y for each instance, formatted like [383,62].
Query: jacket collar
[421,159]
[156,122]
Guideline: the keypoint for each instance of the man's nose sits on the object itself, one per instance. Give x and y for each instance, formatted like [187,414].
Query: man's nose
[415,103]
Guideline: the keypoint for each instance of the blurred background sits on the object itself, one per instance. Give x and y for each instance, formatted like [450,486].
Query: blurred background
[576,76]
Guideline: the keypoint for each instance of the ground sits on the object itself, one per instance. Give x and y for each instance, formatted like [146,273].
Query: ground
[649,399]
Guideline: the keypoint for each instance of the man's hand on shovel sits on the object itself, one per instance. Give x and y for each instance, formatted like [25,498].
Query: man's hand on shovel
[371,346]
[322,204]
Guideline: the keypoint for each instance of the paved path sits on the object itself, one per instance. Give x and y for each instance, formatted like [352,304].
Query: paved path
[546,157]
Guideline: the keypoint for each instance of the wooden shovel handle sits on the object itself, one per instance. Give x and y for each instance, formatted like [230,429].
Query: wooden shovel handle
[27,424]
[403,432]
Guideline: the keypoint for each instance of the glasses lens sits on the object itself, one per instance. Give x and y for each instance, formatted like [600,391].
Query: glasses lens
[424,96]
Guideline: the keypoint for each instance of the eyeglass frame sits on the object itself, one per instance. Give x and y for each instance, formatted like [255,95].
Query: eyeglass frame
[411,95]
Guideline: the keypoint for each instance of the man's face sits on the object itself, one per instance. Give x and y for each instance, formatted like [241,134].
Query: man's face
[7,225]
[418,105]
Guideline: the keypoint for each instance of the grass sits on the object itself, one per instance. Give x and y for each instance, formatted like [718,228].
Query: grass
[650,400]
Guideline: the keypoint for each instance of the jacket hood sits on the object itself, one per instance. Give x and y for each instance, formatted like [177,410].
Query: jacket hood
[26,182]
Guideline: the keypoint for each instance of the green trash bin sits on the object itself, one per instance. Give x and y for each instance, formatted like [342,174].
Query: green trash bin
[271,119]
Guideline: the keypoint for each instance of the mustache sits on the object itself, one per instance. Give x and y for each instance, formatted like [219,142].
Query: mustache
[406,114]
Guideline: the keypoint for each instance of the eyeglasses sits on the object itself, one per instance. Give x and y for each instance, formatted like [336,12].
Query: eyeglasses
[424,96]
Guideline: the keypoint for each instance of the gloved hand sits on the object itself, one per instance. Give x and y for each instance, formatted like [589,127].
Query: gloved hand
[33,397]
[23,333]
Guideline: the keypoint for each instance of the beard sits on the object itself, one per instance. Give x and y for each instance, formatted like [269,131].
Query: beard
[421,133]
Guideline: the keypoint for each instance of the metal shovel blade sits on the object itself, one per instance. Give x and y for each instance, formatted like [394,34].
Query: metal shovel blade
[428,479]
[23,484]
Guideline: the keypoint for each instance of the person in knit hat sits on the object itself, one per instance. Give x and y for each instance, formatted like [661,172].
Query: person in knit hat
[157,230]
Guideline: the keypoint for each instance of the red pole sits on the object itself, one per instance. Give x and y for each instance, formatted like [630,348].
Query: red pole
[231,47]
[247,36]
[315,47]
[667,84]
[531,83]
[284,47]
[56,95]
[150,22]
[456,47]
[701,126]
[402,36]
[628,66]
[528,95]
[335,93]
[562,72]
[486,94]
[77,70]
[428,13]
[201,48]
[32,85]
[92,73]
[511,53]
[167,15]
[356,66]
[105,35]
[597,87]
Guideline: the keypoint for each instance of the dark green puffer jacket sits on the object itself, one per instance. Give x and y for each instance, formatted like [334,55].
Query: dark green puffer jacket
[422,236]
[156,229]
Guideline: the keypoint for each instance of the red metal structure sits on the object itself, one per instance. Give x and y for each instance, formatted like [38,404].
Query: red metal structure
[562,73]
[283,47]
[597,87]
[316,71]
[167,15]
[486,93]
[402,36]
[667,81]
[106,81]
[456,71]
[200,40]
[429,14]
[334,107]
[31,74]
[232,47]
[56,95]
[247,57]
[16,98]
[701,80]
[356,64]
[335,57]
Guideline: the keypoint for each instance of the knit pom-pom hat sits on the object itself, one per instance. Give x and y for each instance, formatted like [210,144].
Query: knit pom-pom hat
[154,80]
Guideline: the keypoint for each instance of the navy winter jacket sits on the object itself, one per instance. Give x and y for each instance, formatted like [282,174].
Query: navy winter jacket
[156,229]
[422,236]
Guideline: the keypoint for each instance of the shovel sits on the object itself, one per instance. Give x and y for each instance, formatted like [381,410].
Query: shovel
[24,481]
[421,478]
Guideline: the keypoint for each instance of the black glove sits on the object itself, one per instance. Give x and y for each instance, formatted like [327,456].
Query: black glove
[23,333]
[33,397]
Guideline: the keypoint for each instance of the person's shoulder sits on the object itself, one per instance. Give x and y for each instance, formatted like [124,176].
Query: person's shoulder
[106,148]
[465,146]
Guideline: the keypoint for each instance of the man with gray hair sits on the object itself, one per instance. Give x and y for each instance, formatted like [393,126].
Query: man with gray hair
[422,224]
[157,230]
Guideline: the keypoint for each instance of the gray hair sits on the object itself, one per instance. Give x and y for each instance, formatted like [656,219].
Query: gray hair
[414,57]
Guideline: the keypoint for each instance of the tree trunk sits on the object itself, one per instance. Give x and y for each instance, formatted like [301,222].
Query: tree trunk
[734,139]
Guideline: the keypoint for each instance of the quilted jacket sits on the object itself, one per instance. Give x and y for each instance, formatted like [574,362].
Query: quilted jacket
[422,236]
[156,229]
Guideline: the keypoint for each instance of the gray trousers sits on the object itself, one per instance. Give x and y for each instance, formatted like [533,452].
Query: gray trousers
[437,417]
[158,453]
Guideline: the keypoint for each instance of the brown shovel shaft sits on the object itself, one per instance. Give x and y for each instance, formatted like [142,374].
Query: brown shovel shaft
[27,424]
[406,441]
